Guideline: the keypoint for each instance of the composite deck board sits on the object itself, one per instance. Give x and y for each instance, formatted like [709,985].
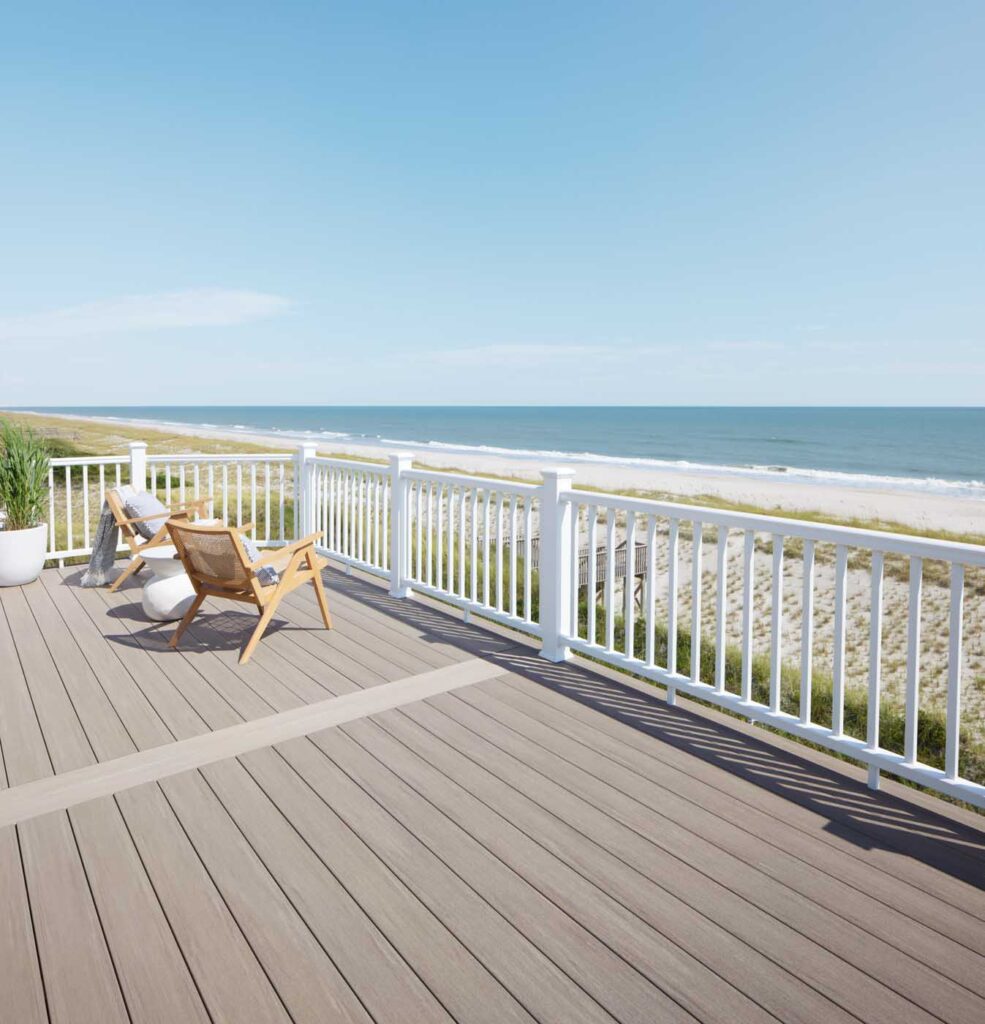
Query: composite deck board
[865,835]
[38,730]
[480,845]
[546,845]
[872,941]
[735,960]
[410,964]
[899,835]
[762,915]
[153,973]
[21,988]
[923,926]
[619,962]
[495,942]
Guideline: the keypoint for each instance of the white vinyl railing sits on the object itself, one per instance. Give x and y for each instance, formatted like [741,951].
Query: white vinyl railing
[242,489]
[257,489]
[604,517]
[75,497]
[349,504]
[726,607]
[469,543]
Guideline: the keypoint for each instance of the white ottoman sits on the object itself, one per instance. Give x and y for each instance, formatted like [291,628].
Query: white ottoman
[168,594]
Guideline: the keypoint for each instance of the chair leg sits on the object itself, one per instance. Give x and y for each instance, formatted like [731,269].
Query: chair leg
[265,617]
[135,565]
[186,619]
[316,582]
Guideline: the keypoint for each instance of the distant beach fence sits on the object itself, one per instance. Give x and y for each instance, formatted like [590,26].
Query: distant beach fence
[686,609]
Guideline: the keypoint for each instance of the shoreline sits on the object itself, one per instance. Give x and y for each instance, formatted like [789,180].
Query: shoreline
[920,510]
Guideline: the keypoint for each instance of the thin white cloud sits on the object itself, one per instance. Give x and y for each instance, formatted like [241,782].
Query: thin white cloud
[539,355]
[200,307]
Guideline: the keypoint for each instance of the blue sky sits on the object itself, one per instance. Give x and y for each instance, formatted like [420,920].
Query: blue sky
[688,203]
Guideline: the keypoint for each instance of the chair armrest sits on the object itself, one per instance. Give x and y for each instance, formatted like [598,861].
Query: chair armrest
[198,503]
[144,519]
[168,513]
[298,545]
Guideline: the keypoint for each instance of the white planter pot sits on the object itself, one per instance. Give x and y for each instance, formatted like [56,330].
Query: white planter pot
[22,555]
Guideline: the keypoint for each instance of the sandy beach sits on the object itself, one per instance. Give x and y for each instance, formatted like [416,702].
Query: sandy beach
[917,510]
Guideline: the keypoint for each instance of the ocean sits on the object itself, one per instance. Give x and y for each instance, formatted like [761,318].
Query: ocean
[934,449]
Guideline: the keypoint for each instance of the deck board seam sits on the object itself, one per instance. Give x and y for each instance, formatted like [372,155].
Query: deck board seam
[753,906]
[588,840]
[587,879]
[494,695]
[496,857]
[21,803]
[164,911]
[768,810]
[222,896]
[369,917]
[139,646]
[714,845]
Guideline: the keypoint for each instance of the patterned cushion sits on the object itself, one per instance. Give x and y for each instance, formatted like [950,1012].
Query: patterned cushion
[143,503]
[268,575]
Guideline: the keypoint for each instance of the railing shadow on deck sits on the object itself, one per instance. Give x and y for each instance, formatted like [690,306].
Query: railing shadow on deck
[867,819]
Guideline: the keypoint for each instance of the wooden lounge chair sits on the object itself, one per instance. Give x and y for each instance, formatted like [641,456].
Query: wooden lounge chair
[137,542]
[218,566]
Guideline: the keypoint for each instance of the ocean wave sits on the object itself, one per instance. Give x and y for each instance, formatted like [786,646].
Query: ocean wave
[862,481]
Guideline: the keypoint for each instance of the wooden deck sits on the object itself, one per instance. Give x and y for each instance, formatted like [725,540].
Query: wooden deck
[543,844]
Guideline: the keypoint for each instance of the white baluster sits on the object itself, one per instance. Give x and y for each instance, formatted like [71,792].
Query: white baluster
[952,748]
[875,662]
[513,557]
[266,497]
[85,507]
[462,512]
[610,579]
[593,583]
[629,585]
[51,510]
[69,545]
[838,674]
[499,551]
[651,590]
[673,568]
[253,496]
[474,553]
[696,567]
[440,554]
[807,634]
[528,518]
[776,626]
[575,557]
[721,608]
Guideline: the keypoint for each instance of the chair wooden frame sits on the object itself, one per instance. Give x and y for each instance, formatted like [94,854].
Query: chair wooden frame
[135,541]
[303,566]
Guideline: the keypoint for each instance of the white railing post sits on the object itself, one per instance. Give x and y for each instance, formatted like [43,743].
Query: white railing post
[556,558]
[138,465]
[304,506]
[399,525]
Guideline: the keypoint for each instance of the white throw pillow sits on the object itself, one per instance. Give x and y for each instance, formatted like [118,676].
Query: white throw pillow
[143,503]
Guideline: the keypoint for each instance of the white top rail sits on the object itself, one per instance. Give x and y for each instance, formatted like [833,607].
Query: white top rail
[201,457]
[353,464]
[874,540]
[91,460]
[479,482]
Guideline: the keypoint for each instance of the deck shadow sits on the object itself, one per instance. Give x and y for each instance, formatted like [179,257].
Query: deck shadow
[869,820]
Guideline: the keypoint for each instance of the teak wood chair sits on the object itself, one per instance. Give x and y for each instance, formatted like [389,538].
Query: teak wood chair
[218,566]
[138,543]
